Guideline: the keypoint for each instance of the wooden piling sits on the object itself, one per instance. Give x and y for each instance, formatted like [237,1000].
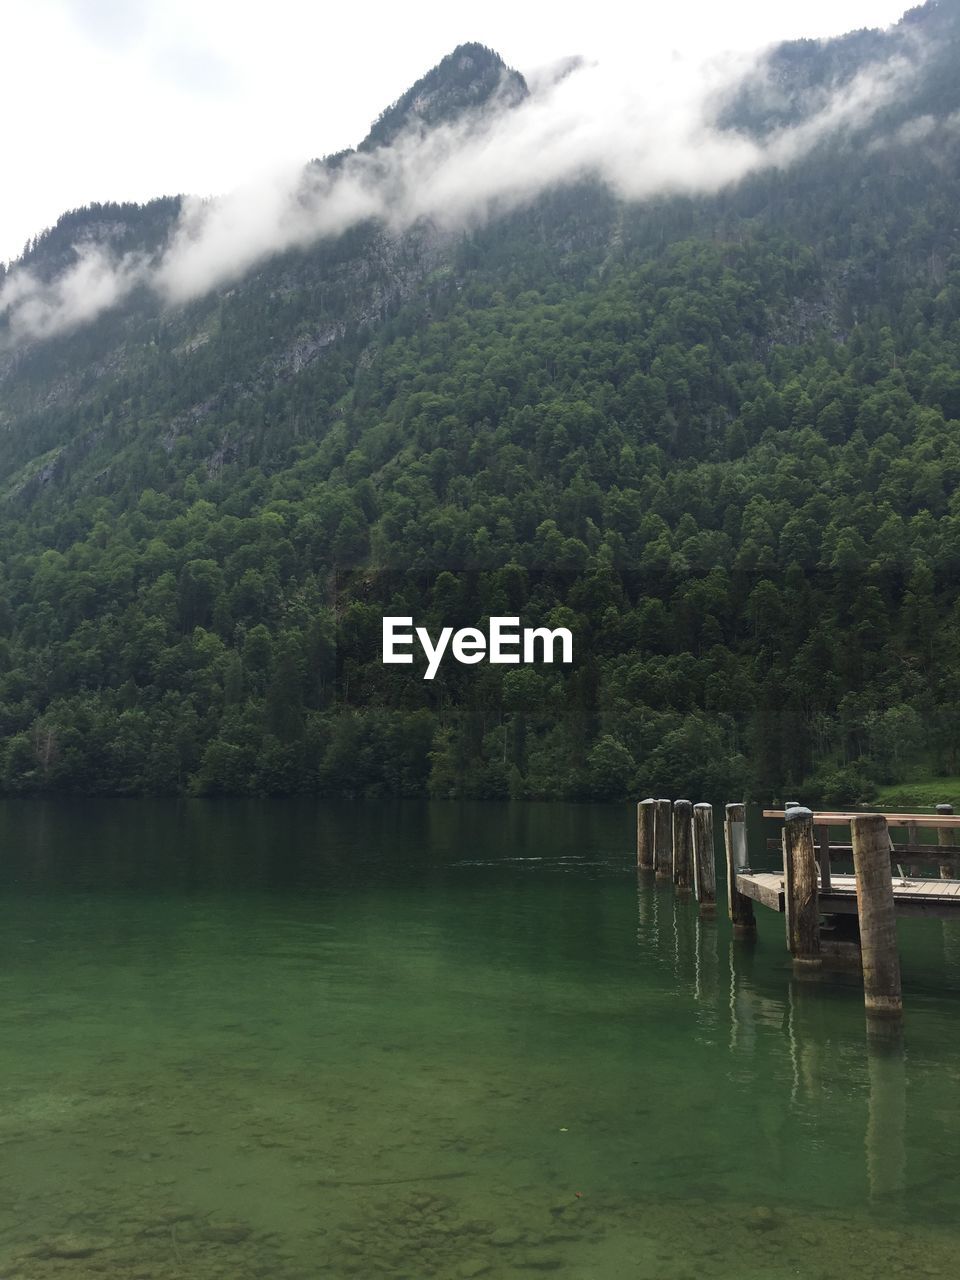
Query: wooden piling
[800,889]
[662,841]
[945,836]
[645,814]
[704,866]
[682,852]
[735,844]
[878,924]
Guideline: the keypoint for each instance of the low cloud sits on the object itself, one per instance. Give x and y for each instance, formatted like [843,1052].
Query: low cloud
[919,131]
[655,137]
[96,282]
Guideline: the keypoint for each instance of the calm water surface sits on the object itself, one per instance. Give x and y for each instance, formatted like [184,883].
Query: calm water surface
[294,1040]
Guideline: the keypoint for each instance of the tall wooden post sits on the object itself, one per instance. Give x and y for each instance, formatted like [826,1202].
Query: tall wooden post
[735,843]
[800,888]
[682,852]
[704,865]
[878,921]
[662,841]
[645,834]
[945,836]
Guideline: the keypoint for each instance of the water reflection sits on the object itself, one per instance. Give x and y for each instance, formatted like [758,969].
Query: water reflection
[287,1022]
[801,1015]
[887,1118]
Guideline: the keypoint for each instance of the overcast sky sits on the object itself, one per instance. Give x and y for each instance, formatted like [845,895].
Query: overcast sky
[129,99]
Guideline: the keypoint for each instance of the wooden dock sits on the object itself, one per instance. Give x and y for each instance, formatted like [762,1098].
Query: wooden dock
[929,898]
[831,915]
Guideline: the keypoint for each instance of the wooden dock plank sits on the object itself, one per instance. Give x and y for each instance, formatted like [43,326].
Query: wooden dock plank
[830,819]
[914,897]
[930,888]
[763,887]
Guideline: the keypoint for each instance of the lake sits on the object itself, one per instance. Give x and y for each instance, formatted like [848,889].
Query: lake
[305,1040]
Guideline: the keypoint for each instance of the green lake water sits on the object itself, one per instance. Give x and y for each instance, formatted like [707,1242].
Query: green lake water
[298,1040]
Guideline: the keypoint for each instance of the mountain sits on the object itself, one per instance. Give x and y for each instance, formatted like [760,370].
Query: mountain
[716,435]
[472,77]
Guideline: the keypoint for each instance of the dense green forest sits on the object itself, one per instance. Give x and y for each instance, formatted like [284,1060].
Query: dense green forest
[717,437]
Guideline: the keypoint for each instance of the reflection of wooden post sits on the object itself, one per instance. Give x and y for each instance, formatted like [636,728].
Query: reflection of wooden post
[662,843]
[645,813]
[886,1118]
[945,836]
[743,1000]
[735,843]
[647,932]
[685,926]
[800,888]
[706,977]
[682,835]
[878,922]
[704,865]
[809,1041]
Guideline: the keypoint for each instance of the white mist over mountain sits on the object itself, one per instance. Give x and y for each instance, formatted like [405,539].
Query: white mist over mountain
[644,124]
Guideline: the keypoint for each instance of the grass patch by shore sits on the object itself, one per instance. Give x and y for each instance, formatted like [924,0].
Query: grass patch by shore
[926,793]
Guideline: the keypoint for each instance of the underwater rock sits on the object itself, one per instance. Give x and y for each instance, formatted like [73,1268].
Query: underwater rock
[472,1267]
[504,1237]
[471,1227]
[540,1262]
[226,1233]
[71,1247]
[761,1218]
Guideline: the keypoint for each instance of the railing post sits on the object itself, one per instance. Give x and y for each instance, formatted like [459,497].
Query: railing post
[945,836]
[878,920]
[645,834]
[735,844]
[800,888]
[913,837]
[823,858]
[682,836]
[662,843]
[704,864]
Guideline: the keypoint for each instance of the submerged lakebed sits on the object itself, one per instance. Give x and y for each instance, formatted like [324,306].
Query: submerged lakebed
[299,1039]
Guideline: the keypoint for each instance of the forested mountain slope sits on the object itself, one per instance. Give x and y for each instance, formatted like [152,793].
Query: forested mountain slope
[717,436]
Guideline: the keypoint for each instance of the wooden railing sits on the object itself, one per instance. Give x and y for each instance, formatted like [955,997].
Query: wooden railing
[944,852]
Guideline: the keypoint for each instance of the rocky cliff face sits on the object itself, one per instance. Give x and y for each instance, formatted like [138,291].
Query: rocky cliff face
[469,79]
[286,316]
